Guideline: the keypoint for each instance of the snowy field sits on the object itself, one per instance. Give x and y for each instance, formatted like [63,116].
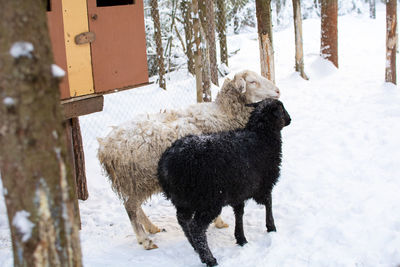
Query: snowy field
[338,199]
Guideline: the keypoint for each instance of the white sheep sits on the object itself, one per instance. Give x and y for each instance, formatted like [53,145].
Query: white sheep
[130,153]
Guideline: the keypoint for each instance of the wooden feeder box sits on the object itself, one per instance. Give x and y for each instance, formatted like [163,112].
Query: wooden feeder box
[101,45]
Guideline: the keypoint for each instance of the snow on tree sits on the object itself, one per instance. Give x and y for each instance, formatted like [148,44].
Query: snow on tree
[221,29]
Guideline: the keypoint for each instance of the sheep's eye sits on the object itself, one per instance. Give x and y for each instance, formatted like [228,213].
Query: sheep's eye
[253,82]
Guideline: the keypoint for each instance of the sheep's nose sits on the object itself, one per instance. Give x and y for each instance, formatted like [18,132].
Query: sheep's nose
[278,93]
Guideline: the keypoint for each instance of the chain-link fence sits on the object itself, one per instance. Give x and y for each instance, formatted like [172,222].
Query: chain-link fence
[188,40]
[173,52]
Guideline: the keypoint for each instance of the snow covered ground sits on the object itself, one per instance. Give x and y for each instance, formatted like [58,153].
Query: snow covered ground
[338,199]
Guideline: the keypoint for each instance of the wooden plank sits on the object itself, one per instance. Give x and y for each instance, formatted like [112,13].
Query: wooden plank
[79,159]
[71,158]
[81,107]
[79,64]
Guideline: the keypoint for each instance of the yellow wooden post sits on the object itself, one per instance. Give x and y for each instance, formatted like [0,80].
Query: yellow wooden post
[80,74]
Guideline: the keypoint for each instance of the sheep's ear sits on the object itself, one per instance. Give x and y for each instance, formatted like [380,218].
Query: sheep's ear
[240,84]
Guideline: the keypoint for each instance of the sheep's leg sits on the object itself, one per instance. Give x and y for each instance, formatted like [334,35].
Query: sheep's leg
[239,233]
[269,218]
[184,217]
[148,225]
[219,223]
[198,227]
[141,235]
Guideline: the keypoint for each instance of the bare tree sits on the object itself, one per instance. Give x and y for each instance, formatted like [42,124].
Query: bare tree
[278,11]
[197,51]
[205,67]
[38,181]
[157,38]
[263,12]
[188,27]
[235,10]
[221,29]
[391,41]
[168,47]
[298,34]
[372,9]
[205,51]
[209,27]
[329,31]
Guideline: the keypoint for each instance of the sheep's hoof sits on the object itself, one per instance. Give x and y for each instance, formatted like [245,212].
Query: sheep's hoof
[220,224]
[154,230]
[211,263]
[163,230]
[242,242]
[148,245]
[271,228]
[223,225]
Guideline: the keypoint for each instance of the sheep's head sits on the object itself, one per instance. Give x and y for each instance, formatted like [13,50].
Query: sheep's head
[255,87]
[269,113]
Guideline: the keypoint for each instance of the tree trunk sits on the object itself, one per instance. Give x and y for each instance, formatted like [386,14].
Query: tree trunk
[329,31]
[197,52]
[263,11]
[278,11]
[221,28]
[317,4]
[205,63]
[298,34]
[157,38]
[372,9]
[205,52]
[37,177]
[169,45]
[391,41]
[235,10]
[209,27]
[188,27]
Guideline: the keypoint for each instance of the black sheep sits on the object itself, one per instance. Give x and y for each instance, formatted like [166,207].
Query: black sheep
[201,174]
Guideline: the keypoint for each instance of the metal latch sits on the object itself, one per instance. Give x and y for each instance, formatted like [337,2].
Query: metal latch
[85,37]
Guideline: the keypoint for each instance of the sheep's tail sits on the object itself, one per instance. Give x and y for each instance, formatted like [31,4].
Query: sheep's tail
[110,170]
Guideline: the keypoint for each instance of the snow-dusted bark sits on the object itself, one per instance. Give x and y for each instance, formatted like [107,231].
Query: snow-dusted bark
[391,41]
[263,12]
[205,50]
[207,16]
[298,34]
[329,31]
[221,29]
[35,169]
[157,38]
[197,51]
[188,28]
